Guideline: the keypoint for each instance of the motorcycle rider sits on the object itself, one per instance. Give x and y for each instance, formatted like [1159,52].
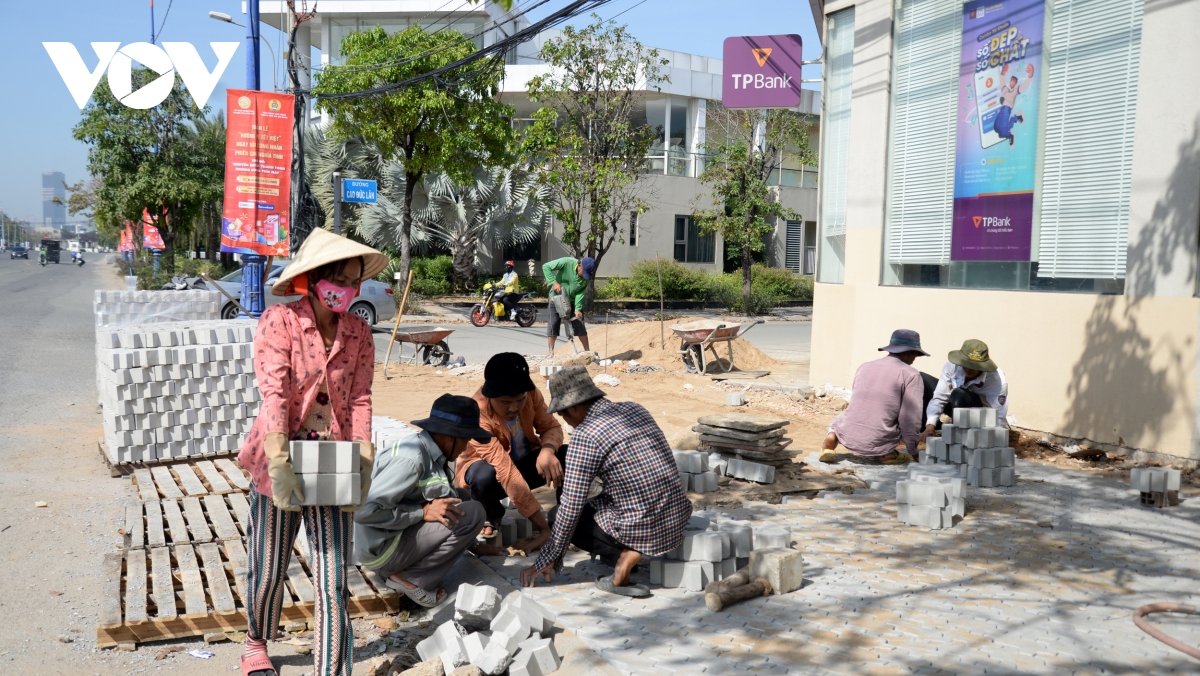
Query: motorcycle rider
[506,295]
[42,258]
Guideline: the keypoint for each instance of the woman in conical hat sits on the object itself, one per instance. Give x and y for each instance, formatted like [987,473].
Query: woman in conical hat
[315,363]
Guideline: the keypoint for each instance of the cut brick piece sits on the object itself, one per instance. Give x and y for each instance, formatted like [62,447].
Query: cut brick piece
[783,568]
[772,536]
[476,606]
[474,644]
[538,618]
[542,653]
[509,621]
[697,575]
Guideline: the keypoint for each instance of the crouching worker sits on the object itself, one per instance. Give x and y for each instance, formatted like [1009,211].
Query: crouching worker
[415,524]
[525,451]
[886,407]
[642,509]
[970,379]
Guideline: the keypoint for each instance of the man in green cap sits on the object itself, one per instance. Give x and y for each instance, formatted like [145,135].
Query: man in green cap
[970,379]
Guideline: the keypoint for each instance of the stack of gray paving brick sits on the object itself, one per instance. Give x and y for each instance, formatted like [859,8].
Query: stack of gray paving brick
[1156,486]
[328,472]
[714,547]
[494,635]
[977,446]
[932,497]
[176,389]
[694,471]
[125,308]
[386,431]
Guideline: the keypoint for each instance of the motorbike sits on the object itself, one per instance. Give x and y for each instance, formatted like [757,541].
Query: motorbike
[42,260]
[183,283]
[78,259]
[492,308]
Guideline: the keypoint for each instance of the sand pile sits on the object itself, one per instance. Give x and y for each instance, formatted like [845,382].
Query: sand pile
[640,341]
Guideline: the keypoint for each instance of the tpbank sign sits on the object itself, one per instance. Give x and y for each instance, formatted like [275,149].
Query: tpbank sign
[166,60]
[762,72]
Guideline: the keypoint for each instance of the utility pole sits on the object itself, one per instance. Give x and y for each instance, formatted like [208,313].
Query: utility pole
[252,264]
[151,21]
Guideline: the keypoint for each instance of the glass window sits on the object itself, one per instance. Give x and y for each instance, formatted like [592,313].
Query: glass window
[338,30]
[678,147]
[839,76]
[656,118]
[690,245]
[524,252]
[633,228]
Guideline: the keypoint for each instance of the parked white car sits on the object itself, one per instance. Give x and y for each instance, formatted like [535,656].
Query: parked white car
[374,302]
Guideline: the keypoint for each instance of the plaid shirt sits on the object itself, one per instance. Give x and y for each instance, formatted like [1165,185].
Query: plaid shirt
[643,504]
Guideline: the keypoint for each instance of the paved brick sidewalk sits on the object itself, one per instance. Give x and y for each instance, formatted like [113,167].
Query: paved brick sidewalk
[995,595]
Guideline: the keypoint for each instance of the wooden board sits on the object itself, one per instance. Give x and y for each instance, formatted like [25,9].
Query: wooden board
[221,518]
[154,524]
[175,522]
[192,596]
[135,527]
[197,524]
[190,521]
[190,478]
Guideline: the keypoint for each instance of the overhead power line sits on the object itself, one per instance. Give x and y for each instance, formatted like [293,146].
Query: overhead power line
[497,48]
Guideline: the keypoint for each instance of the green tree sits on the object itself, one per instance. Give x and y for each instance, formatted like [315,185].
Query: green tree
[748,147]
[150,160]
[451,124]
[588,136]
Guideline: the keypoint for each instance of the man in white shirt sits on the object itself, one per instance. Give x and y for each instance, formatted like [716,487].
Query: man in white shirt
[970,379]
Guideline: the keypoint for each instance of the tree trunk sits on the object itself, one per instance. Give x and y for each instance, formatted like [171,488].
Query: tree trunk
[747,262]
[410,185]
[464,263]
[167,231]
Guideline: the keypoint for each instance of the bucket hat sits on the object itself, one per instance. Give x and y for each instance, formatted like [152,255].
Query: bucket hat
[506,375]
[454,416]
[904,340]
[571,386]
[322,247]
[973,355]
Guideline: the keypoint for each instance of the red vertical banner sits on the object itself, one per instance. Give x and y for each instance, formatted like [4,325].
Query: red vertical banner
[126,238]
[151,237]
[258,173]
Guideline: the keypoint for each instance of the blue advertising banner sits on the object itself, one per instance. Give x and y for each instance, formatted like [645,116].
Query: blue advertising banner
[999,105]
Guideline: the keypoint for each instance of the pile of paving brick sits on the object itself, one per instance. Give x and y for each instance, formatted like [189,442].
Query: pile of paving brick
[328,471]
[124,308]
[932,497]
[699,472]
[715,547]
[755,437]
[494,635]
[176,389]
[977,447]
[1156,486]
[386,431]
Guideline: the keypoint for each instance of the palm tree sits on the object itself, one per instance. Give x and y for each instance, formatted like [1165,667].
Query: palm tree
[507,206]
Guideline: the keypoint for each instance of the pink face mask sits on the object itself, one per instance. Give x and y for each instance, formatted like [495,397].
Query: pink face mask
[336,298]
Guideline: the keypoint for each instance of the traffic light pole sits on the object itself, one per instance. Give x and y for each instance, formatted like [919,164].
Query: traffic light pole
[252,264]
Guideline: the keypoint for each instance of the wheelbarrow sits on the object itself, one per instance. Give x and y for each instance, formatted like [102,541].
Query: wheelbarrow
[429,345]
[696,337]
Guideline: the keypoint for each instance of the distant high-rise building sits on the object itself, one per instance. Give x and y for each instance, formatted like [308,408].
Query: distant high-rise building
[53,215]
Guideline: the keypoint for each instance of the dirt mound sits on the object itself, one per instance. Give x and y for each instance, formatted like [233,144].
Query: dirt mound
[641,341]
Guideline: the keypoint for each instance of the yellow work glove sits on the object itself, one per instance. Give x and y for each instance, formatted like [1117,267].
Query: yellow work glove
[366,459]
[285,487]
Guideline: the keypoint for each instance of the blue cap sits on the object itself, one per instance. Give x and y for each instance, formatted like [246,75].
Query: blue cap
[589,267]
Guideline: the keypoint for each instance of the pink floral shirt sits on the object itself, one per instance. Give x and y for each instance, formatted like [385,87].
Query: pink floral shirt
[291,364]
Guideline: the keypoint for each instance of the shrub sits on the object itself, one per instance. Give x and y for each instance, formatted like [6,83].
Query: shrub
[433,276]
[678,282]
[727,290]
[779,282]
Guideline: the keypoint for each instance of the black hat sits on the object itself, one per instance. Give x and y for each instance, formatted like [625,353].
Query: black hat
[904,340]
[454,416]
[505,375]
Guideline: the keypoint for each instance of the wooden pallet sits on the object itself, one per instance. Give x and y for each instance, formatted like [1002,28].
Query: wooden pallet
[117,470]
[189,521]
[178,591]
[190,479]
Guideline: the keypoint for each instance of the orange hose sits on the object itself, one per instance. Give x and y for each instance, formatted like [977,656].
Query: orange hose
[1140,620]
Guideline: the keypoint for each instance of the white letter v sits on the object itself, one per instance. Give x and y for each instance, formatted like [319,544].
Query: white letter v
[74,73]
[196,77]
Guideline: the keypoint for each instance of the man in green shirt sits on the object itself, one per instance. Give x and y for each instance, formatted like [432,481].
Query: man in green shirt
[568,276]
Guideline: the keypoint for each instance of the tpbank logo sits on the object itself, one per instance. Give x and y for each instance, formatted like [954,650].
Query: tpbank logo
[992,221]
[170,58]
[759,80]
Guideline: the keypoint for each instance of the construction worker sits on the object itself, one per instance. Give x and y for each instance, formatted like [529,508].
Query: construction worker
[568,277]
[970,379]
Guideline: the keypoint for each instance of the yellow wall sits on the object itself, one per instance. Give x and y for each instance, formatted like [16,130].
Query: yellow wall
[1112,369]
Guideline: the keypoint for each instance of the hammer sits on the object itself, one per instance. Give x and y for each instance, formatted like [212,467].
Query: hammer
[716,600]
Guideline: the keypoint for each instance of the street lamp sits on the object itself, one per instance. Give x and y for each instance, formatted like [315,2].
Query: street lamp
[222,16]
[225,18]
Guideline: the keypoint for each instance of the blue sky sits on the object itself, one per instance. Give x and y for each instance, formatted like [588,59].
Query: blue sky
[36,122]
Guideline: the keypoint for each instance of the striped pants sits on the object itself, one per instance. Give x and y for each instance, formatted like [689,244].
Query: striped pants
[272,533]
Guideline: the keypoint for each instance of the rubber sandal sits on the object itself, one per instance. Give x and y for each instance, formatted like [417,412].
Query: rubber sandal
[421,597]
[900,459]
[636,591]
[828,456]
[257,665]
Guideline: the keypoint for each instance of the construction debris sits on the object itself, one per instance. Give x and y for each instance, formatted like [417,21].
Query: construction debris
[1157,486]
[512,635]
[932,497]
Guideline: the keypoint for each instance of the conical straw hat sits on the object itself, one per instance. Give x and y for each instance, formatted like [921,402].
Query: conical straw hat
[322,247]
